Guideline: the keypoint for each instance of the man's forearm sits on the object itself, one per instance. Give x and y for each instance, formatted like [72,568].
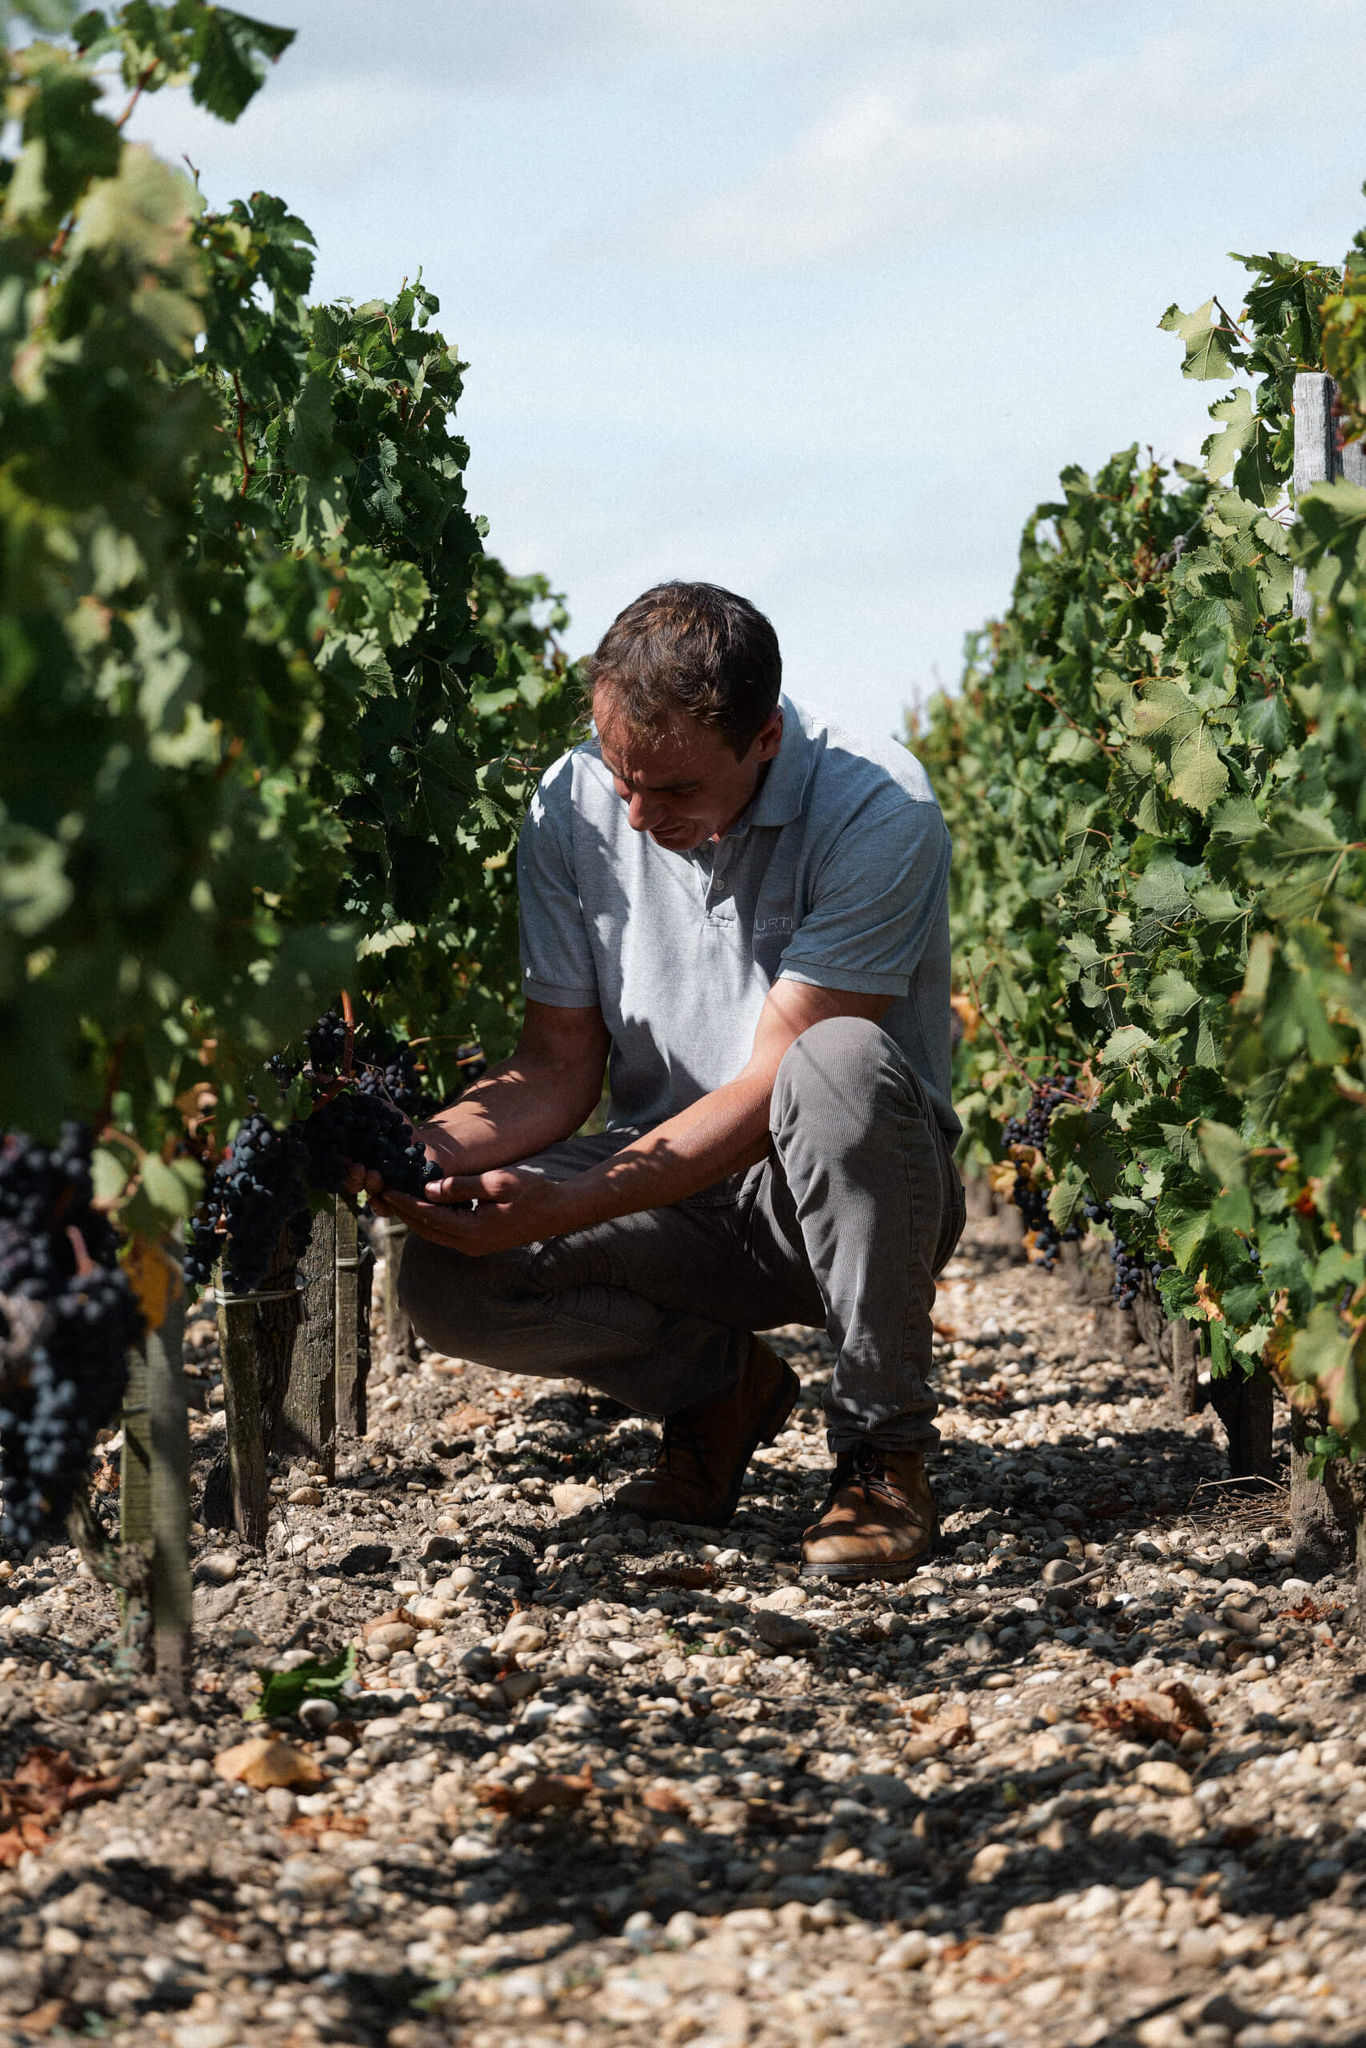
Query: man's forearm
[720,1134]
[514,1110]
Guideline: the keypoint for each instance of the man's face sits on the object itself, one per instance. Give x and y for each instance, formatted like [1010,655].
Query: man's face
[684,785]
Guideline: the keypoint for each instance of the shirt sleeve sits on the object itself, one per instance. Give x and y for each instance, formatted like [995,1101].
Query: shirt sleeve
[557,956]
[879,898]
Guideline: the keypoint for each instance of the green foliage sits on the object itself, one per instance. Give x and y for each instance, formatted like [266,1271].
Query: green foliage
[284,1692]
[1156,788]
[268,713]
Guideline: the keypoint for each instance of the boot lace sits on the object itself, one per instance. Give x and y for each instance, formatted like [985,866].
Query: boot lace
[864,1468]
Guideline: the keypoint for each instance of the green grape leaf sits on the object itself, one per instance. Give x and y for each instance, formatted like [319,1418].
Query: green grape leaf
[230,54]
[1207,353]
[284,1692]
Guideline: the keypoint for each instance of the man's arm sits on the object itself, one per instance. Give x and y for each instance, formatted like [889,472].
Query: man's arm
[720,1134]
[542,1093]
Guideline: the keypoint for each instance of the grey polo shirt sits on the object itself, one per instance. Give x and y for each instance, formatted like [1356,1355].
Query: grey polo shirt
[835,875]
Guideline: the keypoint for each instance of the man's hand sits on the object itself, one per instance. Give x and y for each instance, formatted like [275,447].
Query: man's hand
[511,1208]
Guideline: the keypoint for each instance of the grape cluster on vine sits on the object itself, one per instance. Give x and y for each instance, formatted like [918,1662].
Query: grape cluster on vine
[260,1190]
[67,1319]
[254,1195]
[360,1129]
[1031,1131]
[380,1064]
[1129,1264]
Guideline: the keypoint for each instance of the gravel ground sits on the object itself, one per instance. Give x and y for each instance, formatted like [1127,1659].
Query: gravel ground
[1097,1776]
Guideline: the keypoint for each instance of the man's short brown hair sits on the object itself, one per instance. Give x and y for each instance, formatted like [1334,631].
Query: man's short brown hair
[691,650]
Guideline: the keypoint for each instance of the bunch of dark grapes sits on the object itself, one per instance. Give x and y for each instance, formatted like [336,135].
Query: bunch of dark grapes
[1031,1130]
[1130,1266]
[326,1043]
[64,1332]
[389,1070]
[254,1194]
[1032,1127]
[381,1065]
[261,1188]
[357,1128]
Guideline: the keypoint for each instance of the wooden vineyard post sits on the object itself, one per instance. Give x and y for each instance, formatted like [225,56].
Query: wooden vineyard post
[355,1265]
[154,1492]
[308,1413]
[1185,1369]
[1318,459]
[1243,1403]
[135,1514]
[399,1336]
[255,1347]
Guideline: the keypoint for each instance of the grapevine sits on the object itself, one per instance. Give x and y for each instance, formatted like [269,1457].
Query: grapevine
[1153,776]
[67,1319]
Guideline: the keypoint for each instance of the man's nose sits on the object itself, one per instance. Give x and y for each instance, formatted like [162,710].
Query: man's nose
[641,815]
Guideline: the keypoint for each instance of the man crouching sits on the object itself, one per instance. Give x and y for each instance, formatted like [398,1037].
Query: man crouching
[737,914]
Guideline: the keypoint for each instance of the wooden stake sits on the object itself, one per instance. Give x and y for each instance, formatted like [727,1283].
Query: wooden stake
[308,1415]
[1316,455]
[355,1272]
[135,1516]
[255,1346]
[399,1336]
[169,1416]
[154,1492]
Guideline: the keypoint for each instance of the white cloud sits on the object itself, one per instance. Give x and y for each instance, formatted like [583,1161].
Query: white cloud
[995,133]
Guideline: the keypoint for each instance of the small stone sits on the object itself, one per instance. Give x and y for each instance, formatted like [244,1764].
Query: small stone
[318,1715]
[1160,1776]
[281,1803]
[472,1849]
[989,1862]
[681,1930]
[310,1877]
[305,1497]
[1164,2030]
[749,1920]
[364,1557]
[206,2034]
[571,1497]
[516,1686]
[1045,1991]
[784,1631]
[908,1952]
[1097,1902]
[391,1636]
[1060,1571]
[216,1567]
[519,1639]
[442,1549]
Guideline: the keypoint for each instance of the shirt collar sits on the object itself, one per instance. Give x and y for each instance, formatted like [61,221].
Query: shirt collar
[779,799]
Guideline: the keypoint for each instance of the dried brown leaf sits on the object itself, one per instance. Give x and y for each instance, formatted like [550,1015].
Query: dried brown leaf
[312,1826]
[664,1799]
[394,1614]
[547,1788]
[262,1761]
[1163,1715]
[688,1577]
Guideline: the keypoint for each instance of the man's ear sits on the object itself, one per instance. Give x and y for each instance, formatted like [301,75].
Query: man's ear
[770,735]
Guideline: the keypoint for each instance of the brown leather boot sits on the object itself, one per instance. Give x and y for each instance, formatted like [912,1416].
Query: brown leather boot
[879,1520]
[701,1464]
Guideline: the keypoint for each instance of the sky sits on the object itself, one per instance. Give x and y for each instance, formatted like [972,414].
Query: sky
[809,298]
